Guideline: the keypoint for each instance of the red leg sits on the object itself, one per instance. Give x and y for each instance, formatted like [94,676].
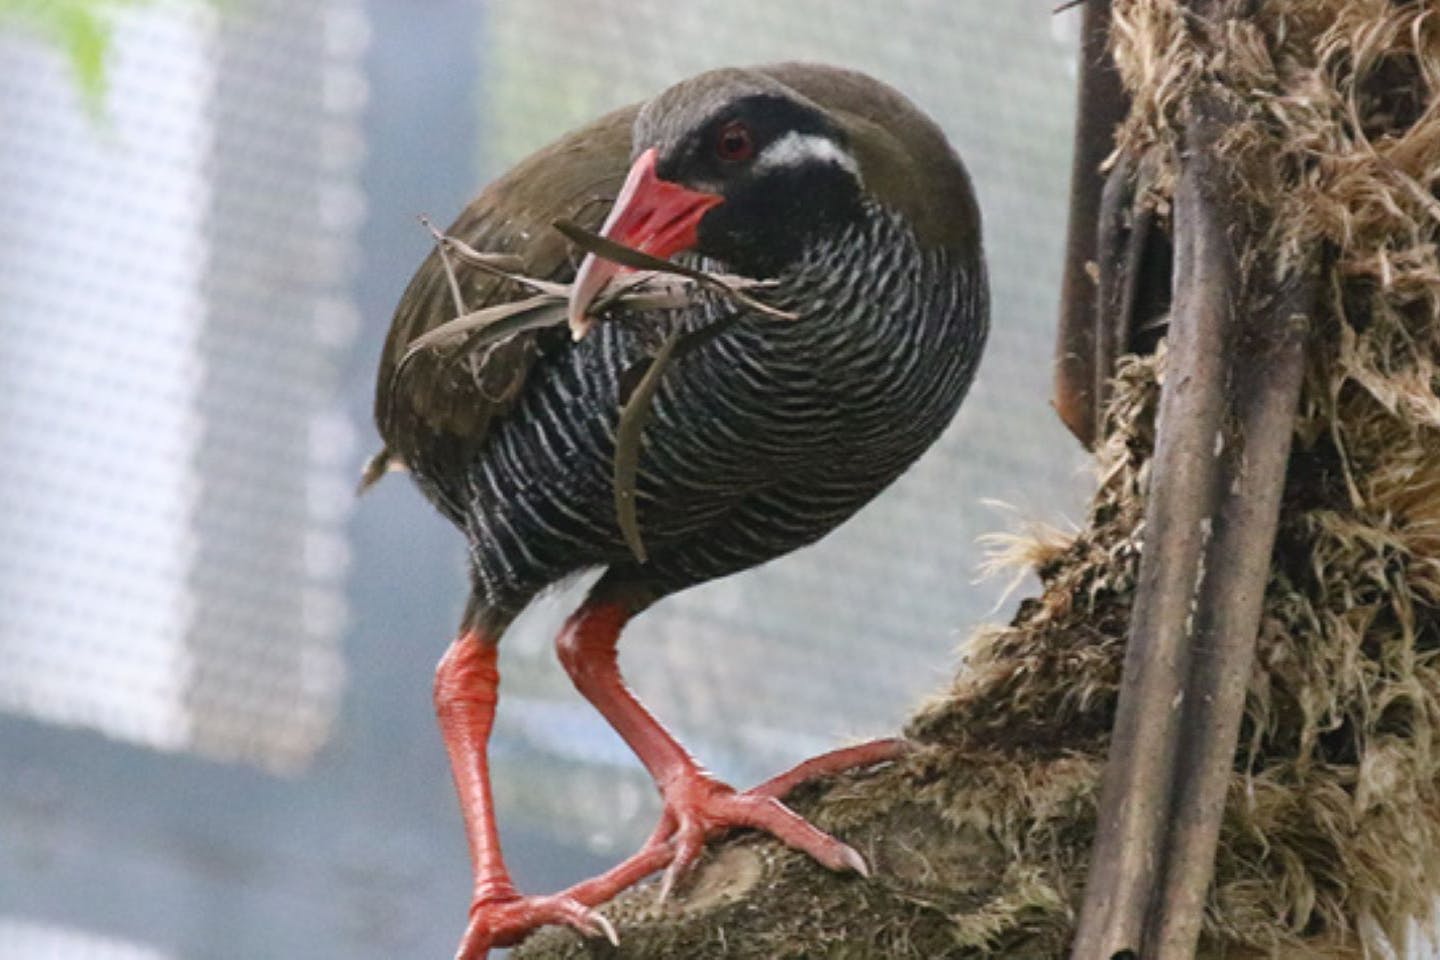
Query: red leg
[466,689]
[697,805]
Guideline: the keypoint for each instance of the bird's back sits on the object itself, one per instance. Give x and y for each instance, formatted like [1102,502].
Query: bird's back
[436,413]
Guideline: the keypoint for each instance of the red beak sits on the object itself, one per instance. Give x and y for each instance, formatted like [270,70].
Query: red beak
[652,215]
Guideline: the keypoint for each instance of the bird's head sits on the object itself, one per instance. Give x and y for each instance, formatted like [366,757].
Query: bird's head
[743,167]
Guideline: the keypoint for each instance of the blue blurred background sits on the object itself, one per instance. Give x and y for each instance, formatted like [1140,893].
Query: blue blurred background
[216,737]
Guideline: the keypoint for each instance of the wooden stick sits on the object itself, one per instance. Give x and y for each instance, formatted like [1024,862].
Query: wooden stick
[1101,106]
[1226,418]
[1269,370]
[1126,233]
[1185,481]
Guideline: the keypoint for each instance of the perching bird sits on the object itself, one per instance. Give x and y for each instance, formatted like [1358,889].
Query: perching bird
[761,440]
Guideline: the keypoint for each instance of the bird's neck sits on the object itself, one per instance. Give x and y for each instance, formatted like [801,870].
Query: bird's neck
[873,270]
[775,224]
[869,279]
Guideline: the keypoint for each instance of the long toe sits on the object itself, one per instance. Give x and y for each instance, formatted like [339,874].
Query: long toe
[702,808]
[504,923]
[843,760]
[770,815]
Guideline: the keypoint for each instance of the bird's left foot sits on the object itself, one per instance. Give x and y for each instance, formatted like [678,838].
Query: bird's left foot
[505,920]
[699,807]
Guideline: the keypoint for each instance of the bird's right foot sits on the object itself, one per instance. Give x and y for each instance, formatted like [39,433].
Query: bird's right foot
[698,807]
[506,919]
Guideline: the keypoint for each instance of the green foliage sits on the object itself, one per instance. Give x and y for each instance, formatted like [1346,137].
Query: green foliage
[81,29]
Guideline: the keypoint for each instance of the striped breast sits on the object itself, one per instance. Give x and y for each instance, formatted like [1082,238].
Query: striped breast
[759,442]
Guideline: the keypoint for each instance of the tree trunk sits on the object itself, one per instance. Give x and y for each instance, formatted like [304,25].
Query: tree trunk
[980,841]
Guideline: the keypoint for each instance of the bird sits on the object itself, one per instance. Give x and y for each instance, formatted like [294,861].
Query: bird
[851,207]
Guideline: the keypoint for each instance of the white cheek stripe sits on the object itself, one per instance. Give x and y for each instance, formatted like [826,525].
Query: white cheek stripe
[798,149]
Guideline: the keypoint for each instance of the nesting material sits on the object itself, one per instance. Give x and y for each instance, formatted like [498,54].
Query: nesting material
[1333,828]
[1331,842]
[659,287]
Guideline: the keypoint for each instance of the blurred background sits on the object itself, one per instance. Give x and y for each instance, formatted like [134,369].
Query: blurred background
[216,735]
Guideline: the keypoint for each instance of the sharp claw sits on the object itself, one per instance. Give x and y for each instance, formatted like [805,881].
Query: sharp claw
[606,927]
[688,847]
[592,923]
[855,862]
[667,882]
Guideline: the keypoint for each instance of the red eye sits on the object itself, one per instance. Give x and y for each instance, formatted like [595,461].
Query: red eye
[734,143]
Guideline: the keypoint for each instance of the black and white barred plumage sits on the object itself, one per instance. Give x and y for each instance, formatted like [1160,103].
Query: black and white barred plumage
[761,441]
[766,437]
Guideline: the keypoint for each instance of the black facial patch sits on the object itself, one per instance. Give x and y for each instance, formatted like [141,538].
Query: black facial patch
[768,223]
[769,214]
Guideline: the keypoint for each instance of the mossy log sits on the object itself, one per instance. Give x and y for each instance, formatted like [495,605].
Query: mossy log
[980,840]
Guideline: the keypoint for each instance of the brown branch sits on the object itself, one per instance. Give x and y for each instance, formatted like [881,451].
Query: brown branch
[1268,373]
[1101,107]
[1225,424]
[1184,487]
[1127,232]
[1116,262]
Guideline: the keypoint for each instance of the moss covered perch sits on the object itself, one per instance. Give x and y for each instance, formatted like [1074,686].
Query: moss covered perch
[980,841]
